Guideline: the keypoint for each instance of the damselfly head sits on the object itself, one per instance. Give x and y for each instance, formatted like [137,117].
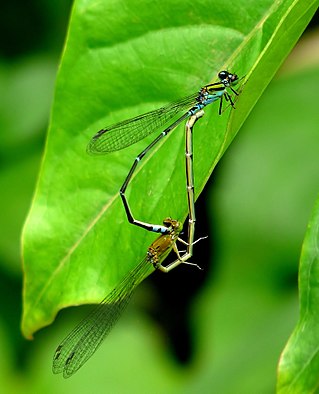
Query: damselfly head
[227,78]
[173,225]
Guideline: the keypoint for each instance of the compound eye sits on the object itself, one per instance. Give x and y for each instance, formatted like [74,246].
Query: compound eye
[223,74]
[167,222]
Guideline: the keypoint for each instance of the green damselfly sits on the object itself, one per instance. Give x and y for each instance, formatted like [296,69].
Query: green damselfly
[128,132]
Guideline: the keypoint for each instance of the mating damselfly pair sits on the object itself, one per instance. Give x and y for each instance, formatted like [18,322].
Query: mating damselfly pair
[86,337]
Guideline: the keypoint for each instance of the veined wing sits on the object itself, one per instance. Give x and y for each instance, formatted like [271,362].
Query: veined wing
[88,335]
[130,131]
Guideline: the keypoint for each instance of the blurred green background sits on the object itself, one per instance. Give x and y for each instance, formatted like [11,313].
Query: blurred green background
[242,307]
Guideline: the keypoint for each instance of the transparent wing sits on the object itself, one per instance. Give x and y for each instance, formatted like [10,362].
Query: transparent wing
[88,335]
[130,131]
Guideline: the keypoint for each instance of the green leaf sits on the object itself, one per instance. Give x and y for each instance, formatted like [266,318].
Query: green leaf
[299,363]
[119,62]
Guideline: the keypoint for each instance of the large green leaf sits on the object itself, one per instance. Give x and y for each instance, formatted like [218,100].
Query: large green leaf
[299,363]
[119,62]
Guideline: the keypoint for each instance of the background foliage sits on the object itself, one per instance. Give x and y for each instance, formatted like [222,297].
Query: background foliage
[259,206]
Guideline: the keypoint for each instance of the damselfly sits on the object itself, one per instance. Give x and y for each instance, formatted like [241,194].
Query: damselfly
[88,335]
[128,132]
